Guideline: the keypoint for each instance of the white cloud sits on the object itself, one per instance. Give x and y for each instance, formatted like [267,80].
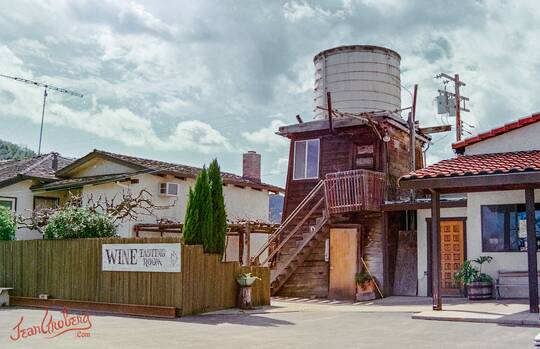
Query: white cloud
[197,136]
[267,137]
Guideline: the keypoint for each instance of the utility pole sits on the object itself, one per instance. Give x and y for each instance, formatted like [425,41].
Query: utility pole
[45,87]
[412,137]
[457,98]
[459,132]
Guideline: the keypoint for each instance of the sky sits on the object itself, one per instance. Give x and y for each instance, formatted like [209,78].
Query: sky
[188,81]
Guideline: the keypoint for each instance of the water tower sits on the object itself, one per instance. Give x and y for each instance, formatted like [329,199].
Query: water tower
[360,78]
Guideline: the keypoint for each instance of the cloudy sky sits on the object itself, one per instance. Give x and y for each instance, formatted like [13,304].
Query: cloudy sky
[186,81]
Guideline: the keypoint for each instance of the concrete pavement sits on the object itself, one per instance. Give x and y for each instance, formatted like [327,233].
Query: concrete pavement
[287,324]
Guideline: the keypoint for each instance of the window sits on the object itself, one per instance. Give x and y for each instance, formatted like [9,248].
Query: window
[41,202]
[8,202]
[504,227]
[168,189]
[306,159]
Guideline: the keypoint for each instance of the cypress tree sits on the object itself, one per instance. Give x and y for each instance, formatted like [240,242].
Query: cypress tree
[205,212]
[190,221]
[198,220]
[219,221]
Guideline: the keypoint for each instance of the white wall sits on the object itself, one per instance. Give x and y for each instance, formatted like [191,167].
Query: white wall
[240,203]
[25,204]
[97,167]
[422,242]
[510,141]
[508,261]
[501,260]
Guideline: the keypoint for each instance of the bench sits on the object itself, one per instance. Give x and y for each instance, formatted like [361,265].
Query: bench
[4,296]
[511,279]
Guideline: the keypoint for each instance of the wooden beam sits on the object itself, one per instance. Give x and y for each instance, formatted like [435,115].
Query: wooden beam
[435,129]
[486,182]
[419,205]
[436,249]
[531,250]
[126,309]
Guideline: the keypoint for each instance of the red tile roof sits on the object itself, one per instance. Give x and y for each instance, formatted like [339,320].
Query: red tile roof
[465,165]
[459,146]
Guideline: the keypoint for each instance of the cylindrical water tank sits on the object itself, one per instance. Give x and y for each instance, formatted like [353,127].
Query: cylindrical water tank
[360,78]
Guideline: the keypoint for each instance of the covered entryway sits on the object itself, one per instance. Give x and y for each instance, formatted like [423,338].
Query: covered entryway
[480,173]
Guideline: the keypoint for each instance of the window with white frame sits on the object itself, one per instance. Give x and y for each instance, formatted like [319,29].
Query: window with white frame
[306,159]
[8,202]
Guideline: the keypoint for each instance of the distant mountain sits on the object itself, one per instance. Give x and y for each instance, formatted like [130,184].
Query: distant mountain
[276,208]
[10,151]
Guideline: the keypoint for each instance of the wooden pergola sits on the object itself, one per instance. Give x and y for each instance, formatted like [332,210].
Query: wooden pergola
[526,180]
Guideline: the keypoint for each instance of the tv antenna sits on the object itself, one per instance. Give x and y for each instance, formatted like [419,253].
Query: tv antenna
[45,88]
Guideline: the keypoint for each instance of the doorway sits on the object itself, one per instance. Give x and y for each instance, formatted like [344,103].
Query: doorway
[453,254]
[343,263]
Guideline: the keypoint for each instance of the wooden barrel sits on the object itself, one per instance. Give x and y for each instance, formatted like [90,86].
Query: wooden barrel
[479,290]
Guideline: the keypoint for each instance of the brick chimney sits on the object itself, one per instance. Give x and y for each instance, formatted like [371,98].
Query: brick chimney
[54,164]
[251,166]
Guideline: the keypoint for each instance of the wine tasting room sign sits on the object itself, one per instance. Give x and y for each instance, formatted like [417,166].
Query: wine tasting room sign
[163,258]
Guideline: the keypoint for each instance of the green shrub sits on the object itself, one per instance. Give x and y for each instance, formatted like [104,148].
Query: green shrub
[77,223]
[7,224]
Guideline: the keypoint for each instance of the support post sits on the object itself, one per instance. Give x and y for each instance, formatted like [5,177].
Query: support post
[531,250]
[247,236]
[385,252]
[436,249]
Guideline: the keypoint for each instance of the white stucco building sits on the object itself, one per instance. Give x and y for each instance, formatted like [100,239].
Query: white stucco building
[490,223]
[48,180]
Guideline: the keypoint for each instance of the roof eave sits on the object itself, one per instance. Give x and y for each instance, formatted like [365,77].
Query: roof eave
[470,183]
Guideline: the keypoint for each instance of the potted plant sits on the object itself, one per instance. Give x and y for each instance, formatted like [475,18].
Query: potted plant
[479,285]
[245,281]
[365,286]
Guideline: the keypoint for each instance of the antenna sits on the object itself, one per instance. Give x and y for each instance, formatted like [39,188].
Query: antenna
[45,88]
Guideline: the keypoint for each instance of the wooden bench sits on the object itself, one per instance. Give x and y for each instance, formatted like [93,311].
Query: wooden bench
[4,296]
[523,282]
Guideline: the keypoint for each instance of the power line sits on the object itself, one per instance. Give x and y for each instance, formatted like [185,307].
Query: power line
[45,88]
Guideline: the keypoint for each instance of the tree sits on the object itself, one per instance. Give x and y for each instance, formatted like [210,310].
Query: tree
[7,224]
[198,220]
[219,221]
[10,151]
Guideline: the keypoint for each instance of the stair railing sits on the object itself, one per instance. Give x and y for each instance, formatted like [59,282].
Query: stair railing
[275,236]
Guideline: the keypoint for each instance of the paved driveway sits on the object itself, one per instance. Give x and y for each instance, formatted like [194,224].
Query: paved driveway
[285,325]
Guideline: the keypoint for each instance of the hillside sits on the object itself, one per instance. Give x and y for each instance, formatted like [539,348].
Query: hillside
[10,150]
[276,208]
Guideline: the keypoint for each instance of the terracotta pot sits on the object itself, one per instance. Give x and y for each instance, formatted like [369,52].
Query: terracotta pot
[479,290]
[366,291]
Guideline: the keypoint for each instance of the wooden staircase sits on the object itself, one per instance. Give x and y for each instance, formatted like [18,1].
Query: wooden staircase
[307,225]
[295,238]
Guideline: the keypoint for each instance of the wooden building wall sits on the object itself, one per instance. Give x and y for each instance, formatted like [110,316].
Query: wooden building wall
[345,151]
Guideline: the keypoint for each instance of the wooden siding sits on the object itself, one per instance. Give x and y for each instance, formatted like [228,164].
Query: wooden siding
[71,270]
[351,149]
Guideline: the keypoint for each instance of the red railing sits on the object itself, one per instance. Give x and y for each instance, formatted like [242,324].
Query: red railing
[352,191]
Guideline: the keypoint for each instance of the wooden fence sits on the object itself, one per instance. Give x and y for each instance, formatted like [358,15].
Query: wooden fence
[69,272]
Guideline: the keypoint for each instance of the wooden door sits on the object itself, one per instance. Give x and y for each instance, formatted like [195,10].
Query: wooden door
[452,255]
[343,263]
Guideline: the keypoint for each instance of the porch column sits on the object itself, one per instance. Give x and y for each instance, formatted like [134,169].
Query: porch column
[436,249]
[531,250]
